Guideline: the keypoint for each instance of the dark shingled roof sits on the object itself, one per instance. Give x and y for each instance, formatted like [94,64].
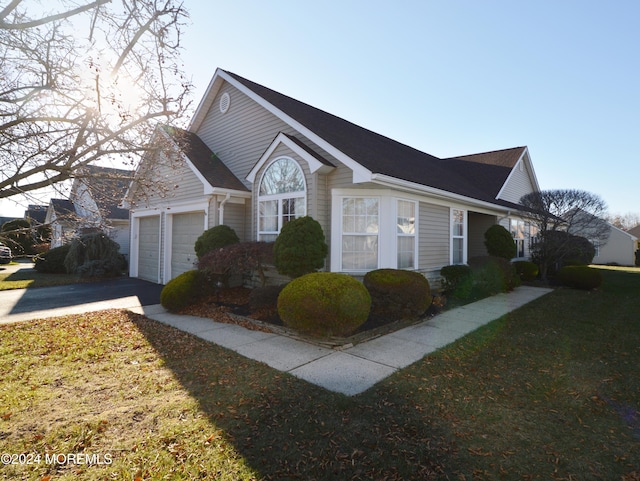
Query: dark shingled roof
[478,176]
[63,207]
[203,158]
[108,187]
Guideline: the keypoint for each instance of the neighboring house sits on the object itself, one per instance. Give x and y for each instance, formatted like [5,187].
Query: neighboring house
[635,232]
[254,159]
[619,249]
[36,215]
[93,205]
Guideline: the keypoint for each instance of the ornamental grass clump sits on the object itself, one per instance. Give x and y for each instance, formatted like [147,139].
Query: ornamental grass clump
[324,304]
[398,294]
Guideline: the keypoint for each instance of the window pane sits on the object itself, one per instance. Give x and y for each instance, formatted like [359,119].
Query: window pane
[406,252]
[458,223]
[268,216]
[283,176]
[359,252]
[406,217]
[458,250]
[360,216]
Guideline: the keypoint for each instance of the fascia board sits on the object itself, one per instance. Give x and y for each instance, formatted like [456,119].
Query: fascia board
[314,164]
[207,100]
[359,172]
[448,197]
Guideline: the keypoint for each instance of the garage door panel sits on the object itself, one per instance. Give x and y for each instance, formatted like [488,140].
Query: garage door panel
[149,248]
[186,228]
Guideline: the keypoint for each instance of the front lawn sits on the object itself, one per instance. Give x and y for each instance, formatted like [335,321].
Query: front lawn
[551,391]
[29,277]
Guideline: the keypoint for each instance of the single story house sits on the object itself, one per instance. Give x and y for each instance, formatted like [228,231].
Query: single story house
[620,248]
[92,205]
[254,159]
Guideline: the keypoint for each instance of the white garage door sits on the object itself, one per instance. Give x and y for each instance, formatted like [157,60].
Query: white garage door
[149,248]
[186,230]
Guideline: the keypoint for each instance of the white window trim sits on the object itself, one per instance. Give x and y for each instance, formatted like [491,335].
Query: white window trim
[387,233]
[464,237]
[416,230]
[279,197]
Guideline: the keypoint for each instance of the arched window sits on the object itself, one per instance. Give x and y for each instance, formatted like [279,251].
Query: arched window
[281,197]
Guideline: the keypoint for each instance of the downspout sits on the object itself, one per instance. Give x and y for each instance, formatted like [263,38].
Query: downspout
[221,209]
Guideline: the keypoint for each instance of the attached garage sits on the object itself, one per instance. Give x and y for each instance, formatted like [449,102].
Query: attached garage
[185,230]
[149,248]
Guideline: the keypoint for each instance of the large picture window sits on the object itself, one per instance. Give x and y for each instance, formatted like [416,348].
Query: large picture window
[281,197]
[360,230]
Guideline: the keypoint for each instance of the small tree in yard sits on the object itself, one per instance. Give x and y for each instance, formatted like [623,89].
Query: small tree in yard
[300,248]
[94,255]
[577,212]
[499,242]
[240,257]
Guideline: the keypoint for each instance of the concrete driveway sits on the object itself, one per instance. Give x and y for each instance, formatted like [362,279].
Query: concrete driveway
[125,292]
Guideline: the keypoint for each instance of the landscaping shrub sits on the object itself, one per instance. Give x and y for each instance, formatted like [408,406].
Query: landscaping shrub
[492,275]
[300,248]
[559,248]
[638,258]
[94,255]
[499,242]
[580,277]
[398,294]
[183,290]
[527,271]
[52,261]
[215,238]
[240,258]
[324,304]
[457,281]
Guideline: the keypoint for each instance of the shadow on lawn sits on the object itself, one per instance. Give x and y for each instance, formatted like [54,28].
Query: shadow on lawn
[286,428]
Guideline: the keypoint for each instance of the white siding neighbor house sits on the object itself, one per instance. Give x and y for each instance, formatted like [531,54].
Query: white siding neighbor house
[253,159]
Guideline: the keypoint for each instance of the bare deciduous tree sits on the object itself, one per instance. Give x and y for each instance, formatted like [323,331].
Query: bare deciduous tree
[82,82]
[573,211]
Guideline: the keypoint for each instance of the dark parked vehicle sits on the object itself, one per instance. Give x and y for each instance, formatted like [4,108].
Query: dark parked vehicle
[5,254]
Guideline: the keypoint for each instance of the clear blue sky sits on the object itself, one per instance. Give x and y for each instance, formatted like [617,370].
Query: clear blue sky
[451,77]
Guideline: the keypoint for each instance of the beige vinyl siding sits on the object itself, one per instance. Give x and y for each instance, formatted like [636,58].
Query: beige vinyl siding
[235,216]
[433,241]
[518,184]
[477,226]
[240,136]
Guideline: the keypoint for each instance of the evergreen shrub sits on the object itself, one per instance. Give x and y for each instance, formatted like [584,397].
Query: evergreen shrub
[300,248]
[457,281]
[492,275]
[95,255]
[499,242]
[215,238]
[398,294]
[527,271]
[324,304]
[182,290]
[580,277]
[52,261]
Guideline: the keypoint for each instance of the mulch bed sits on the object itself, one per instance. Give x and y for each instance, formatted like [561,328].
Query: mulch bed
[231,306]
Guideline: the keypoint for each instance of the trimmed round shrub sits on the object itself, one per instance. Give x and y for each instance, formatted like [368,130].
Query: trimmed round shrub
[95,255]
[52,261]
[324,304]
[499,242]
[457,280]
[300,248]
[215,238]
[398,294]
[527,271]
[580,277]
[182,290]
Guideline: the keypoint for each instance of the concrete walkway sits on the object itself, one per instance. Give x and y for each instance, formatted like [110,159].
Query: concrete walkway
[353,370]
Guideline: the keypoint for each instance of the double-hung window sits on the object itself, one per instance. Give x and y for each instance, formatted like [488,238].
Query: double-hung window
[458,236]
[517,228]
[406,234]
[360,232]
[281,197]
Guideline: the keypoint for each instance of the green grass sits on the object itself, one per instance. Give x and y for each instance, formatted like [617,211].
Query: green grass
[550,391]
[25,278]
